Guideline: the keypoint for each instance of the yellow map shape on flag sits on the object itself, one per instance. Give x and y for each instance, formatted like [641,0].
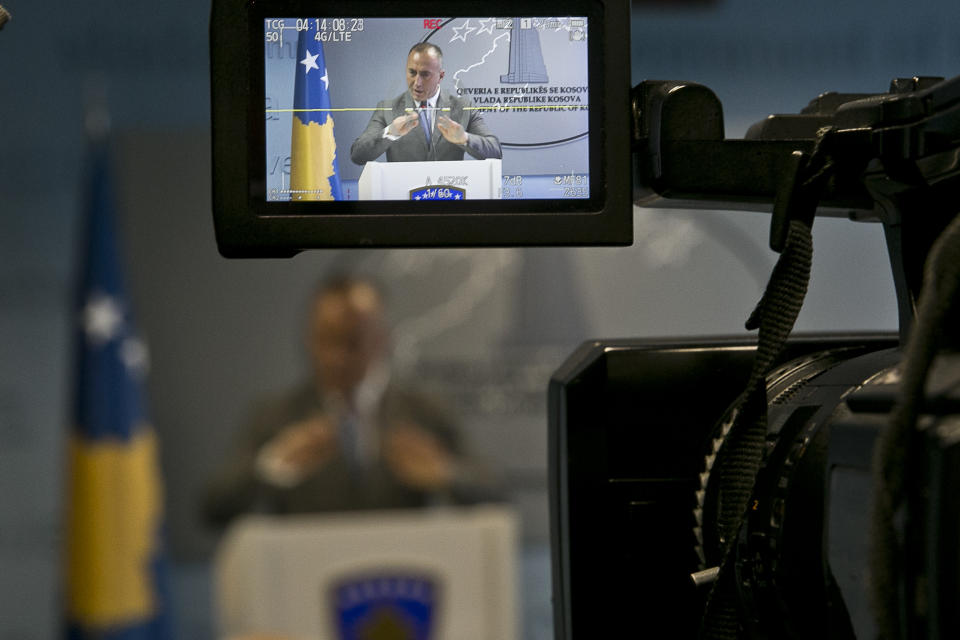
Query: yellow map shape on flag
[112,530]
[312,152]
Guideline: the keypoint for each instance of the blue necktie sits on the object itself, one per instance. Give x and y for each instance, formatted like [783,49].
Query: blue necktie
[425,121]
[349,440]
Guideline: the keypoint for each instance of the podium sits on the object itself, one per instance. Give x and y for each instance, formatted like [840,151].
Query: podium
[417,575]
[438,180]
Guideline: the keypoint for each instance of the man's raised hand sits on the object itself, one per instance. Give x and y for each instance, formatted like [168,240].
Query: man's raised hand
[402,125]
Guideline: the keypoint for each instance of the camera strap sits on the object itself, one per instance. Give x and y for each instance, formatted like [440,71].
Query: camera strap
[774,317]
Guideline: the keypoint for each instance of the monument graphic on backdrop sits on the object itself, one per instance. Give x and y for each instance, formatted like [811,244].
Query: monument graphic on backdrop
[526,57]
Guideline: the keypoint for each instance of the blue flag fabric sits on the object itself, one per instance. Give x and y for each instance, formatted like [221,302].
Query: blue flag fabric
[116,576]
[314,172]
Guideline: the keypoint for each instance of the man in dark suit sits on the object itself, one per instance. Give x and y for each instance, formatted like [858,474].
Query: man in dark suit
[425,123]
[351,437]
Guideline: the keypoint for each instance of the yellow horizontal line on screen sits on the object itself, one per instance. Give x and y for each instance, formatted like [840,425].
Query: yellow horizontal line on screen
[491,108]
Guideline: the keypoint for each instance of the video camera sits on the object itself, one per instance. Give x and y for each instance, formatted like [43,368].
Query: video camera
[822,501]
[788,487]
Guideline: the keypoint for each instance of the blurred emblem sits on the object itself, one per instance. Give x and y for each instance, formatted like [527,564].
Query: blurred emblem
[385,606]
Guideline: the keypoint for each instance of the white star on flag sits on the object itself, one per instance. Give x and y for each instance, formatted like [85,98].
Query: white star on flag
[310,62]
[102,319]
[461,32]
[326,79]
[135,356]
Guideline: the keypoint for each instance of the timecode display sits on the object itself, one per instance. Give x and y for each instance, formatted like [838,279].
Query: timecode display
[328,29]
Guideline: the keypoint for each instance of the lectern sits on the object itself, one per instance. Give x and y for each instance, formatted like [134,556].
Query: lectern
[415,575]
[437,180]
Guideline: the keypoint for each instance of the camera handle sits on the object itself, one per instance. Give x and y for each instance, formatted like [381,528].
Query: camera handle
[892,158]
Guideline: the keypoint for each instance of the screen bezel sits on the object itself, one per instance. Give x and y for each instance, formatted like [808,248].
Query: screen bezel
[248,224]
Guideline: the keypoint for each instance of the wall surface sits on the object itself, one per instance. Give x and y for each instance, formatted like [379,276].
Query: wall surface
[485,328]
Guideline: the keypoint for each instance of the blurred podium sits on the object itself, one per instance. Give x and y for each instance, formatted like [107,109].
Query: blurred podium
[449,574]
[439,180]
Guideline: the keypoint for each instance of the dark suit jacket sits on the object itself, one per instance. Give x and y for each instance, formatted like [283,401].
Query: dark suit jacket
[412,147]
[237,489]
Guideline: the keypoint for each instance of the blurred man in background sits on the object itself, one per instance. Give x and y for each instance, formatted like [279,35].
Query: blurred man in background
[350,437]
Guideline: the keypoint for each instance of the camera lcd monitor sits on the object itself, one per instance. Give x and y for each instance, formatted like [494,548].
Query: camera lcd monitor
[385,124]
[515,91]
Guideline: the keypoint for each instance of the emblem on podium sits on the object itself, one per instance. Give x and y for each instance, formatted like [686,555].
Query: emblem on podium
[437,192]
[385,606]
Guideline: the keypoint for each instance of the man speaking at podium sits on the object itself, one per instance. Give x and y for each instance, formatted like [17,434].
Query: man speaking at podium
[350,437]
[425,123]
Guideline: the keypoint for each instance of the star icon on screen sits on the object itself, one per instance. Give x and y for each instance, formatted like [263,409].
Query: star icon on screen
[461,32]
[310,62]
[486,26]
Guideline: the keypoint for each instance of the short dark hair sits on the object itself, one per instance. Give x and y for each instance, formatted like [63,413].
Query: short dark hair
[424,47]
[341,283]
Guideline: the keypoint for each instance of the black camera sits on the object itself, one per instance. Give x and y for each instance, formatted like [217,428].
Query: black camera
[796,487]
[788,487]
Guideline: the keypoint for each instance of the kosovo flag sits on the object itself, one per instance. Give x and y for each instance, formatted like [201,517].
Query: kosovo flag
[314,174]
[116,574]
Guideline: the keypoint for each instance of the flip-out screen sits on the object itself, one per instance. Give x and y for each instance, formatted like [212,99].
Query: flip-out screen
[342,92]
[380,123]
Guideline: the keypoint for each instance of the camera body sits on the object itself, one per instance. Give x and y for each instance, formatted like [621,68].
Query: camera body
[632,427]
[640,431]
